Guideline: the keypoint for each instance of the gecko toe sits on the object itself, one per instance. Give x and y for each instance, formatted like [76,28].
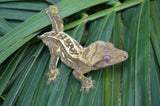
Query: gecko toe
[93,81]
[58,74]
[48,82]
[53,75]
[82,88]
[47,74]
[54,80]
[93,87]
[86,86]
[86,90]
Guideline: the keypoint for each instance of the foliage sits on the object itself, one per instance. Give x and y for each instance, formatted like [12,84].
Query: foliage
[130,25]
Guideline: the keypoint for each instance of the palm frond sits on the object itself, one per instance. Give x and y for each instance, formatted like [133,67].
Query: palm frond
[131,25]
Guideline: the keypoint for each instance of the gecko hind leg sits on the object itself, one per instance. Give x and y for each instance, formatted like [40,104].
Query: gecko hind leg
[57,22]
[87,83]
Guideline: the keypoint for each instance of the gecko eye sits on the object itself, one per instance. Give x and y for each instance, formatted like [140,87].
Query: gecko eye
[106,58]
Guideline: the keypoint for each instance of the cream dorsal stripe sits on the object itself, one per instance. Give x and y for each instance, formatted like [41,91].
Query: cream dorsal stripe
[72,41]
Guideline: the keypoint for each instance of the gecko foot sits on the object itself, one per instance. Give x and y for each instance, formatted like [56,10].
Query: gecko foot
[52,9]
[52,75]
[87,84]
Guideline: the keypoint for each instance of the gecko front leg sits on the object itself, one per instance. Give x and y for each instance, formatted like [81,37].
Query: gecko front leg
[53,71]
[87,83]
[54,49]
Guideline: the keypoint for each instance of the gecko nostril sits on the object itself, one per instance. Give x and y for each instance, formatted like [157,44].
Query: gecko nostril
[125,55]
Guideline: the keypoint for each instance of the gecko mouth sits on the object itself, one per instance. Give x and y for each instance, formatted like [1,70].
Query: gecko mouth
[101,64]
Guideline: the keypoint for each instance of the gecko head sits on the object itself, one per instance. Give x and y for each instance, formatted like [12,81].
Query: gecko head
[106,54]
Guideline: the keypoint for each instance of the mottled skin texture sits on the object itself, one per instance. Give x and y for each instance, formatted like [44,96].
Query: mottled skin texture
[97,55]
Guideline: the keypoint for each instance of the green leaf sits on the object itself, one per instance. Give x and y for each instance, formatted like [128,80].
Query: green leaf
[155,78]
[102,29]
[54,1]
[19,84]
[33,79]
[5,26]
[155,32]
[112,75]
[155,52]
[13,47]
[16,14]
[6,76]
[136,77]
[36,6]
[8,0]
